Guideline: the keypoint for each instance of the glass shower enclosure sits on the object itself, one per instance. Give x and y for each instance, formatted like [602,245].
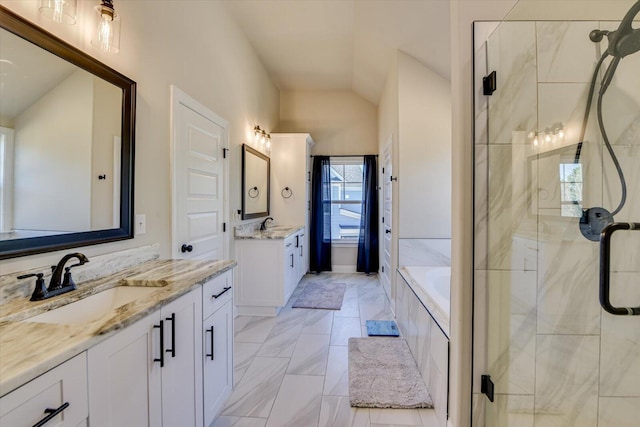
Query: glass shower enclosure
[545,351]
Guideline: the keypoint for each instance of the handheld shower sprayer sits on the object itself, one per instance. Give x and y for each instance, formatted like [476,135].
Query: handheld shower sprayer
[625,40]
[622,42]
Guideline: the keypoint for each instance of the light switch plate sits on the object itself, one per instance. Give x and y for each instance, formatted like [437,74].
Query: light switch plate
[141,224]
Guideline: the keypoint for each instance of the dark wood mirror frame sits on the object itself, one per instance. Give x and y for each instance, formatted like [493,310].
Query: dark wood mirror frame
[246,150]
[47,41]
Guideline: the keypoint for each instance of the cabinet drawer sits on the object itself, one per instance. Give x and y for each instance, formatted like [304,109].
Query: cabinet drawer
[216,292]
[65,384]
[290,242]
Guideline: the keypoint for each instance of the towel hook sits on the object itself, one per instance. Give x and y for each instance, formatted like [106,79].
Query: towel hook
[254,192]
[286,193]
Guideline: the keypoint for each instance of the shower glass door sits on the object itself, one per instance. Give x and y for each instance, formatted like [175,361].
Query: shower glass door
[553,355]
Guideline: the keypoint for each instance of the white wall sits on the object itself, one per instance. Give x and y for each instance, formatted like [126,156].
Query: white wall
[415,114]
[196,46]
[339,123]
[424,113]
[54,135]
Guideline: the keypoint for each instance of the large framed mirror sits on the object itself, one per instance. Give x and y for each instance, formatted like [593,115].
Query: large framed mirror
[67,126]
[255,183]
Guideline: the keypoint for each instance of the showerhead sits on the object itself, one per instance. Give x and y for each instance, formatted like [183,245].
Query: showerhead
[625,40]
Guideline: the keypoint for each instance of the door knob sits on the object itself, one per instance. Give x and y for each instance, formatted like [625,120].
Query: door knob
[388,230]
[186,248]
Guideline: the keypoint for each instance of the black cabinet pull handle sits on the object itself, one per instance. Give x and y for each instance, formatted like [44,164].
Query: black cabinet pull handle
[172,350]
[291,260]
[212,347]
[51,414]
[216,296]
[605,261]
[186,248]
[161,359]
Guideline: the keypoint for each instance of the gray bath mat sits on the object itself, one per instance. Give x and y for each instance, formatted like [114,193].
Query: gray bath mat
[321,295]
[383,374]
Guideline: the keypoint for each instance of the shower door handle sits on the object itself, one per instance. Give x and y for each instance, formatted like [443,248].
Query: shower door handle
[605,267]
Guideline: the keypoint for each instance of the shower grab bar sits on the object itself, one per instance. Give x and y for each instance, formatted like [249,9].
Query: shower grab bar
[605,266]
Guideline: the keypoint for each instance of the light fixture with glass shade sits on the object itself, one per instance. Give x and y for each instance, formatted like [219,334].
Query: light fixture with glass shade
[107,24]
[60,11]
[257,133]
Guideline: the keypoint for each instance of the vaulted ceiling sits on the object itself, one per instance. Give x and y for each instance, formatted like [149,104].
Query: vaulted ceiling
[330,45]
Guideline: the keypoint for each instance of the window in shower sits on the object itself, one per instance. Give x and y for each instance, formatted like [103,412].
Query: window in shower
[571,189]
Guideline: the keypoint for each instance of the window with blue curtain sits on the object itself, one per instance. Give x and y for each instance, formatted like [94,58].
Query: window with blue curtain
[344,208]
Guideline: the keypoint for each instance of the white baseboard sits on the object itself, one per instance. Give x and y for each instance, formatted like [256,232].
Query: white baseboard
[343,268]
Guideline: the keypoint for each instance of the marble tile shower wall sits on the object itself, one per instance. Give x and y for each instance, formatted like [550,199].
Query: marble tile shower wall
[556,358]
[424,252]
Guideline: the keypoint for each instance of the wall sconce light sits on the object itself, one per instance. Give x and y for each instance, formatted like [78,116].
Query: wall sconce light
[549,135]
[257,133]
[262,137]
[107,24]
[60,11]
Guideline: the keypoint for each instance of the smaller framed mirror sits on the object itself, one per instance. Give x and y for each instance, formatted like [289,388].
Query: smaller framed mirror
[256,170]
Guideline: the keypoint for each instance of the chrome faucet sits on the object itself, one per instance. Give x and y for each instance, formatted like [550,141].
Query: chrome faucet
[263,224]
[58,285]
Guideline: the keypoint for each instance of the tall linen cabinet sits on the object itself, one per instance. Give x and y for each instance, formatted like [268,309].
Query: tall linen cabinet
[291,168]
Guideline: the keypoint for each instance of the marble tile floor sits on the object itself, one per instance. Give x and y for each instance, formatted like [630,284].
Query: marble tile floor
[291,370]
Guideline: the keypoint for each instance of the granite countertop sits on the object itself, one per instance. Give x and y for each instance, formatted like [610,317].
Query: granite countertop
[272,233]
[29,349]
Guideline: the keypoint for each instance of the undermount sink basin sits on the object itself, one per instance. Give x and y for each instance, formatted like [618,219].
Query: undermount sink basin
[94,307]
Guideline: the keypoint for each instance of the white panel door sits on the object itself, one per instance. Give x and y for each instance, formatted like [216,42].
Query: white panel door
[199,141]
[387,201]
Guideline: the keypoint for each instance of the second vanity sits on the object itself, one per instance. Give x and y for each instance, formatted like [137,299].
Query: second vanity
[270,265]
[163,357]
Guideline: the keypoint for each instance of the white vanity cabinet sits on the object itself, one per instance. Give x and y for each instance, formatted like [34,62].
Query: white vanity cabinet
[182,403]
[291,266]
[291,168]
[63,388]
[217,340]
[268,272]
[150,373]
[301,255]
[124,381]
